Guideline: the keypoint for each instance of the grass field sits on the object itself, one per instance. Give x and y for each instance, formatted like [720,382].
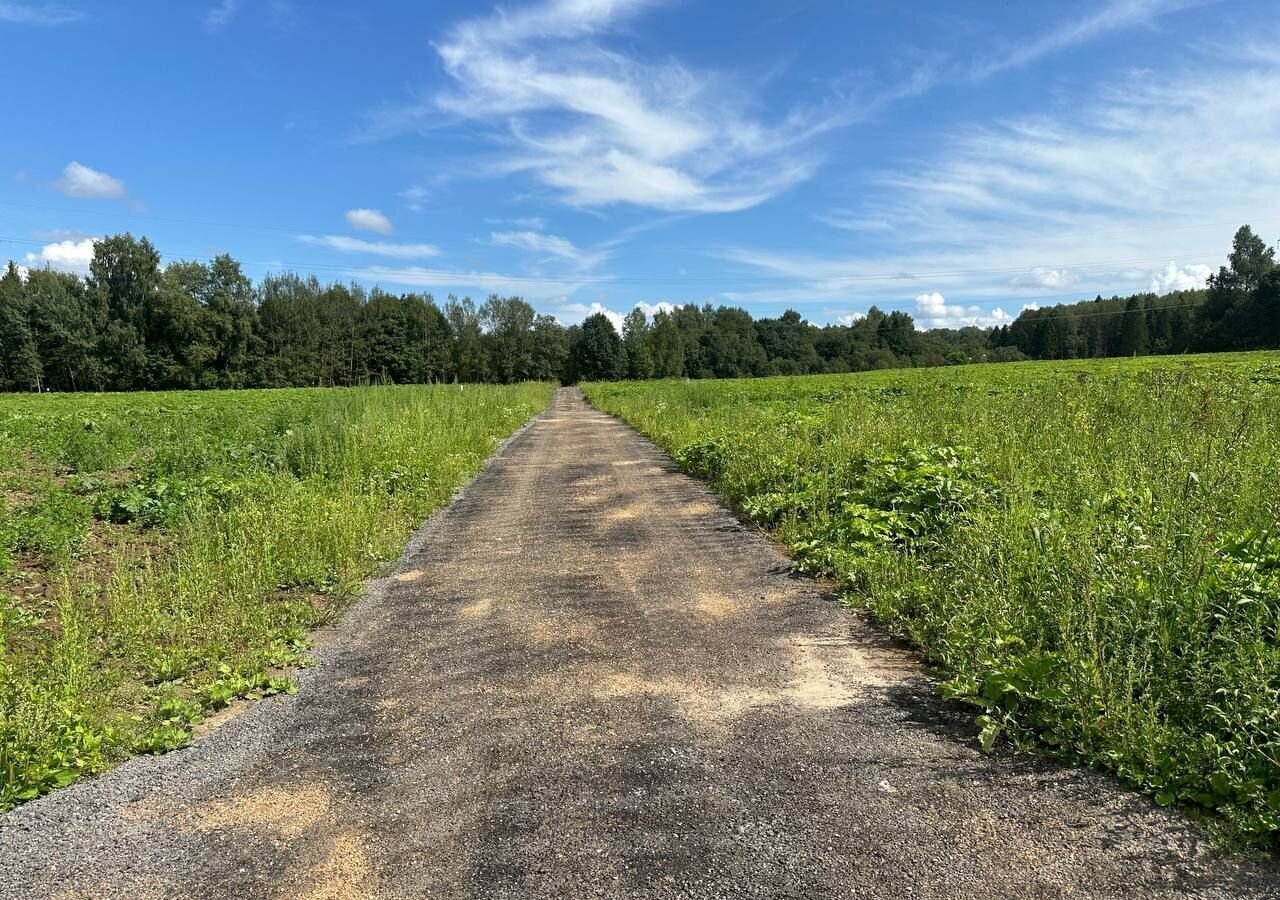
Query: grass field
[163,554]
[1089,552]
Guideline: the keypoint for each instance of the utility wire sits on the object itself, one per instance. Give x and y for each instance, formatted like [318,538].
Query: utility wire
[444,276]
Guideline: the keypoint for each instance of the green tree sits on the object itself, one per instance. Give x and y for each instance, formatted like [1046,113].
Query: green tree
[550,349]
[788,342]
[125,274]
[507,323]
[67,323]
[469,358]
[635,338]
[597,353]
[20,368]
[732,348]
[668,348]
[1134,340]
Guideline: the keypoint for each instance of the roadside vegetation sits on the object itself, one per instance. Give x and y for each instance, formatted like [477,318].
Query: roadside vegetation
[164,554]
[1088,552]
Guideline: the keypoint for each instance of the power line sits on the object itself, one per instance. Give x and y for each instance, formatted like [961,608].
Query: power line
[295,231]
[376,271]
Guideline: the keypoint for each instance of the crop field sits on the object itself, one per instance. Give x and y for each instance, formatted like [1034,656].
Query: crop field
[1089,553]
[163,554]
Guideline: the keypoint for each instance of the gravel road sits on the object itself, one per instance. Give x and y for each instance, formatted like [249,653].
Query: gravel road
[587,679]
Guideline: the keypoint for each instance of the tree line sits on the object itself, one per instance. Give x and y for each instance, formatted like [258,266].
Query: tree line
[1239,309]
[134,325]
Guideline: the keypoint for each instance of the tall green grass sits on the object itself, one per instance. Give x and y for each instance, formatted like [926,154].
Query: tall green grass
[1089,552]
[163,554]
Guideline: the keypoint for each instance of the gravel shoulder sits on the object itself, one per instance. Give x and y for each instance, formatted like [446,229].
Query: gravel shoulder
[588,679]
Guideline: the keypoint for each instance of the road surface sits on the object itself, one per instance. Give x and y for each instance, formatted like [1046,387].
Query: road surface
[587,679]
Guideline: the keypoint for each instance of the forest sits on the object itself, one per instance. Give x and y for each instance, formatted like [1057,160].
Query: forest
[134,324]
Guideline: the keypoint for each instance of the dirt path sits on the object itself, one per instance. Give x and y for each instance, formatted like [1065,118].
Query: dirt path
[588,680]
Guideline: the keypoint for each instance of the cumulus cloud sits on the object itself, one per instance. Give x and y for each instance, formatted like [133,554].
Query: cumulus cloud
[1180,278]
[369,220]
[372,248]
[650,309]
[573,313]
[64,256]
[38,14]
[89,184]
[933,311]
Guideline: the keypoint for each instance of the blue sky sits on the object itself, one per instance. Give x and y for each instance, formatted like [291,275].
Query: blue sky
[956,160]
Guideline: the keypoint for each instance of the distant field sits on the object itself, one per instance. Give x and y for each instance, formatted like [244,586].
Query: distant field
[1089,552]
[162,554]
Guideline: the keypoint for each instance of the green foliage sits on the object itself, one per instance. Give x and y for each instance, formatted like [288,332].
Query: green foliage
[167,552]
[596,351]
[1088,552]
[133,325]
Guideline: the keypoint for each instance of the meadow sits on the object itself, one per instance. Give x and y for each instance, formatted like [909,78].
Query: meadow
[164,554]
[1088,553]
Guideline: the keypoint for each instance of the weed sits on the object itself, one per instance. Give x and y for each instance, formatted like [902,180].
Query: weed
[166,553]
[1089,552]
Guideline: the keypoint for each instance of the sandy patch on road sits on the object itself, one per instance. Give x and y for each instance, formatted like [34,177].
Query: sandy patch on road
[286,810]
[345,873]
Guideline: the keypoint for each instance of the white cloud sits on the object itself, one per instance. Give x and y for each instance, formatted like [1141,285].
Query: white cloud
[373,248]
[650,309]
[1116,15]
[81,181]
[221,15]
[445,281]
[64,256]
[38,14]
[550,245]
[1093,199]
[531,223]
[600,127]
[573,313]
[539,243]
[933,311]
[369,220]
[1040,277]
[415,197]
[1180,278]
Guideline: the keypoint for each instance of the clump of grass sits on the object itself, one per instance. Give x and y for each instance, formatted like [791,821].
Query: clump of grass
[1089,552]
[164,554]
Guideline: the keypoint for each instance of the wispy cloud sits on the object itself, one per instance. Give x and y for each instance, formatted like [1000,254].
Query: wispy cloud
[1117,15]
[444,281]
[1094,198]
[549,245]
[368,220]
[599,127]
[371,248]
[219,16]
[38,14]
[89,184]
